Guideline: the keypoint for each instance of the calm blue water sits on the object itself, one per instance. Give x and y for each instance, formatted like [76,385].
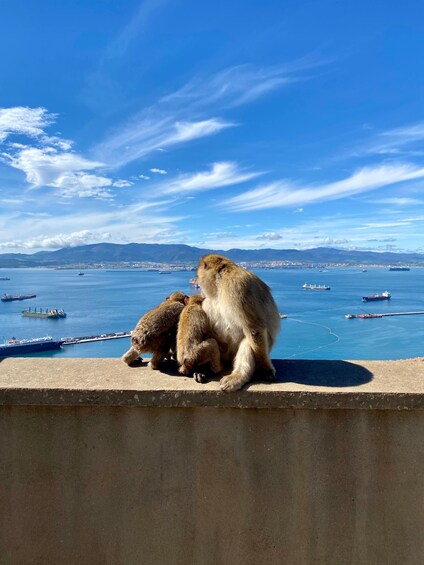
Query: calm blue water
[109,301]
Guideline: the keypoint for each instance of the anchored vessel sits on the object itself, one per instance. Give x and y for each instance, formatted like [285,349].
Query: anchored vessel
[399,269]
[316,286]
[23,346]
[53,313]
[10,297]
[374,297]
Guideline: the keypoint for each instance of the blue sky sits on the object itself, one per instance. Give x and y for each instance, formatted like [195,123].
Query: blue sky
[244,124]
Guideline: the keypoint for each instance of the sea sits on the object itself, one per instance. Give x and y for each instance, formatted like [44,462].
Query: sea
[105,301]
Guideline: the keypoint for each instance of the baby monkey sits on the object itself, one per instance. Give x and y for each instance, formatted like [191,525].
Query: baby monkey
[156,331]
[196,343]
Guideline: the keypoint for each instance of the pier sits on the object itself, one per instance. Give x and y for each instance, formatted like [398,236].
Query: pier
[90,338]
[383,315]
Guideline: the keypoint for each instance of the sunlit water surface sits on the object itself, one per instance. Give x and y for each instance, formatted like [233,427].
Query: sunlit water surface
[104,301]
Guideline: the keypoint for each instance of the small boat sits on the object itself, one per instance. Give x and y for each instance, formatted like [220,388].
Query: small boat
[364,271]
[10,297]
[374,297]
[194,282]
[164,272]
[316,287]
[53,313]
[399,269]
[4,279]
[81,274]
[283,316]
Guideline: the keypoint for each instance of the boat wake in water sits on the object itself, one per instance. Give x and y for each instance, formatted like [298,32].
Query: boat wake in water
[330,331]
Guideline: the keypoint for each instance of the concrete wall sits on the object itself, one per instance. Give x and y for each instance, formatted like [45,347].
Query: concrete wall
[93,482]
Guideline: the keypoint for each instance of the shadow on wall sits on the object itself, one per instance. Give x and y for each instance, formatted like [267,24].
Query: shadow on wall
[313,373]
[321,373]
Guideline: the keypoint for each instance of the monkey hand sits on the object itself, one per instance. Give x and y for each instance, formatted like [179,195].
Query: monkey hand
[232,382]
[200,378]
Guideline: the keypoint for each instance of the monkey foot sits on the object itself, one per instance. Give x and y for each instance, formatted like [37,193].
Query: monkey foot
[232,382]
[154,366]
[266,374]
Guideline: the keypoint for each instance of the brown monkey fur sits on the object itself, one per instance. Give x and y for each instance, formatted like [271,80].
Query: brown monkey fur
[196,345]
[243,313]
[156,331]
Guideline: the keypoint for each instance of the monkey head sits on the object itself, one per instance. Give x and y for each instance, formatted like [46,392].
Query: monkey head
[177,297]
[195,299]
[210,266]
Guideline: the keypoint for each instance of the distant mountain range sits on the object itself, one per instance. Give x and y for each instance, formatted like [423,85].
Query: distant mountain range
[111,253]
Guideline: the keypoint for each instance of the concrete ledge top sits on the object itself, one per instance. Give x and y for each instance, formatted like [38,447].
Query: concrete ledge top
[395,385]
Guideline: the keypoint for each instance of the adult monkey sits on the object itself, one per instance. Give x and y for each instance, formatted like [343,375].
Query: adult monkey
[243,314]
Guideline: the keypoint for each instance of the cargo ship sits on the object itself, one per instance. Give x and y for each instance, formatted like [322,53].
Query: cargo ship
[53,313]
[399,269]
[374,297]
[10,297]
[316,287]
[23,346]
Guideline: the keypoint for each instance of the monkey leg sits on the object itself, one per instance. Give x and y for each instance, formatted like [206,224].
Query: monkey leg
[243,368]
[156,360]
[130,356]
[159,350]
[208,352]
[259,342]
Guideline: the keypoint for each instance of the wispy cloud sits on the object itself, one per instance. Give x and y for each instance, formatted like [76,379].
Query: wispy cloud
[287,194]
[221,174]
[185,115]
[399,201]
[404,140]
[145,133]
[239,84]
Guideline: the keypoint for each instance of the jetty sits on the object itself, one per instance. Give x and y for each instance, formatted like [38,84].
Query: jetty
[90,338]
[383,315]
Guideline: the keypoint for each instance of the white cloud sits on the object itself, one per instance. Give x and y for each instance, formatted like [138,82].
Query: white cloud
[407,140]
[271,236]
[158,171]
[184,115]
[239,84]
[83,237]
[82,185]
[221,174]
[121,183]
[147,131]
[398,201]
[43,166]
[287,194]
[144,177]
[24,121]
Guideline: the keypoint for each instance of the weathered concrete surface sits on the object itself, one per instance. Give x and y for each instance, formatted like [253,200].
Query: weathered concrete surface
[167,480]
[302,384]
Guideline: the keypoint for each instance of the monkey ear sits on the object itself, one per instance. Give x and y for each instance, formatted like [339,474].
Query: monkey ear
[220,265]
[167,298]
